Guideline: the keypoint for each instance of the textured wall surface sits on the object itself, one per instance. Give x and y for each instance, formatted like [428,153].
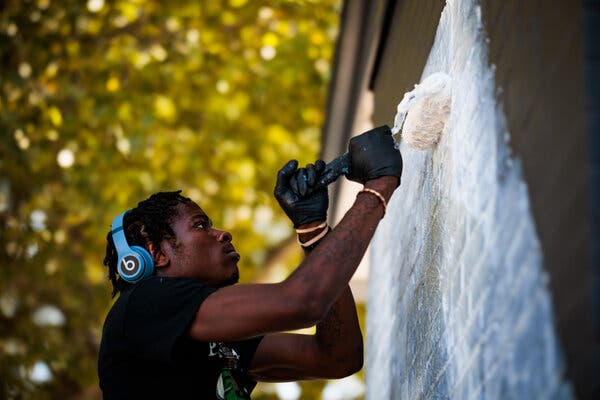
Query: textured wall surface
[540,82]
[459,305]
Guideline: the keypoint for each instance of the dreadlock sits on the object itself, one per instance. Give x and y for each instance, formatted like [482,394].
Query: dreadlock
[149,222]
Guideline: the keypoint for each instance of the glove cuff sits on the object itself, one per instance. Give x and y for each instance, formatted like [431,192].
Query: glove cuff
[307,220]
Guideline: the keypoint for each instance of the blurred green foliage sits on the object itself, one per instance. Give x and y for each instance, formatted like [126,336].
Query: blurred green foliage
[102,104]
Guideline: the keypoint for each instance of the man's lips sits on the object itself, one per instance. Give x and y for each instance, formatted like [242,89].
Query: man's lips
[230,250]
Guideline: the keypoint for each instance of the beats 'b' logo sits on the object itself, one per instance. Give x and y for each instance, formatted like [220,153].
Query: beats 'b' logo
[130,265]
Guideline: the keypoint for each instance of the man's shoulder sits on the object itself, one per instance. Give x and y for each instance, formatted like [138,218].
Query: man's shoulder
[167,285]
[167,281]
[158,294]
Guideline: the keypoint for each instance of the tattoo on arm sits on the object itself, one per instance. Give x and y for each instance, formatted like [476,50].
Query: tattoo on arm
[329,331]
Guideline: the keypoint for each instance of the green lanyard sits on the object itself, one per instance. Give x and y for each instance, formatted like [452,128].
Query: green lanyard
[227,387]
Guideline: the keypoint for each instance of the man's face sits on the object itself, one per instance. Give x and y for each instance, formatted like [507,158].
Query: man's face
[200,251]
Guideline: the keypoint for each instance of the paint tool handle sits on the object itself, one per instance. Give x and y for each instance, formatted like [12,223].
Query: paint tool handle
[334,170]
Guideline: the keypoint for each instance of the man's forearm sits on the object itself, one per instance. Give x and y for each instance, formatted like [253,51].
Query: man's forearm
[338,334]
[328,268]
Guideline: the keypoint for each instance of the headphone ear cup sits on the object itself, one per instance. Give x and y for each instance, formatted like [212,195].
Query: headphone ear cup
[135,265]
[148,264]
[134,262]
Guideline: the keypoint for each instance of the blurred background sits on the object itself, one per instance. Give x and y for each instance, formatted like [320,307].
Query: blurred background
[103,103]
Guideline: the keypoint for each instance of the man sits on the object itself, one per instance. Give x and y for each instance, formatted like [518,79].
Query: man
[187,331]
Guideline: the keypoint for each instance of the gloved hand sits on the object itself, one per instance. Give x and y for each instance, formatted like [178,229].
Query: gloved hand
[297,196]
[372,155]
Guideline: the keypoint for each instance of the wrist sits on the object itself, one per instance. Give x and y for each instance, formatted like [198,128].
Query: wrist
[385,185]
[310,230]
[309,241]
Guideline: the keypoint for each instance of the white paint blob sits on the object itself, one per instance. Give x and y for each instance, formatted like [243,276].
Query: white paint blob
[423,112]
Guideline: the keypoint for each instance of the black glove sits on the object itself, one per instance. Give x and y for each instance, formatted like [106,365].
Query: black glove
[373,155]
[297,195]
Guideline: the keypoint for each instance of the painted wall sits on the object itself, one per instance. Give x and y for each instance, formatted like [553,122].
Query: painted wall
[466,311]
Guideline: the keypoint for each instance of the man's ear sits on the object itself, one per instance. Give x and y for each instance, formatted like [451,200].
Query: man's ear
[158,255]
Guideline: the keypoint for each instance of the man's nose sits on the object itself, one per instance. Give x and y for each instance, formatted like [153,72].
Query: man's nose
[222,236]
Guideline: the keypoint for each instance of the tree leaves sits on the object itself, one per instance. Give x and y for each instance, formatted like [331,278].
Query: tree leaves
[102,104]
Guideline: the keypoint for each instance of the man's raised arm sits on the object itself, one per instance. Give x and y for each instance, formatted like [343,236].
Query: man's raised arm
[308,294]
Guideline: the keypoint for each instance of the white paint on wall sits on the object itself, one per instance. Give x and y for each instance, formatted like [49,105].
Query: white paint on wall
[458,305]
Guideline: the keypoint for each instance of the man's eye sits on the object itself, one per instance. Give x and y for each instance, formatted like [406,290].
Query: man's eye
[204,225]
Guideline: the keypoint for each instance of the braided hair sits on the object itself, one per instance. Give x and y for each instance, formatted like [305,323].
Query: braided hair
[149,222]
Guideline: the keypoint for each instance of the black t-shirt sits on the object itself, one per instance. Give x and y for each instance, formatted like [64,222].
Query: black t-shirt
[146,353]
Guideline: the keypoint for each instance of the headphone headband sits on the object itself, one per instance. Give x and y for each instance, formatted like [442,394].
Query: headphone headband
[118,233]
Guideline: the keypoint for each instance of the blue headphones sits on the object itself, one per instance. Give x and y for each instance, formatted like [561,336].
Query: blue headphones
[134,263]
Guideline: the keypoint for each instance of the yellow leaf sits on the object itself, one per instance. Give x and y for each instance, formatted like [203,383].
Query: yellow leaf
[248,33]
[270,39]
[158,52]
[277,135]
[313,52]
[228,18]
[94,26]
[95,273]
[246,169]
[129,10]
[165,109]
[317,37]
[140,59]
[112,85]
[55,116]
[284,28]
[73,48]
[124,112]
[237,3]
[51,70]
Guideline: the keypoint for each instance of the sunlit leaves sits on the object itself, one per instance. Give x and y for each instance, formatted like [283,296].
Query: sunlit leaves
[103,103]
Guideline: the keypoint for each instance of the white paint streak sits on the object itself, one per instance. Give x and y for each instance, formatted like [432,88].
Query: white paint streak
[458,305]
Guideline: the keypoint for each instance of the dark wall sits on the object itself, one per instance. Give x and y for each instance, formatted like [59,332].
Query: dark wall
[409,38]
[537,49]
[592,64]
